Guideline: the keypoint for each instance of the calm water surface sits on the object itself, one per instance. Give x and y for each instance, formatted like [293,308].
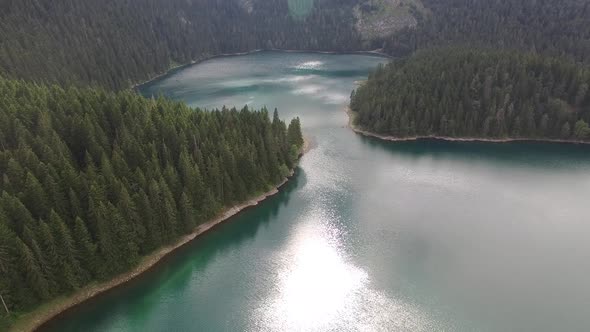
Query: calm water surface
[370,236]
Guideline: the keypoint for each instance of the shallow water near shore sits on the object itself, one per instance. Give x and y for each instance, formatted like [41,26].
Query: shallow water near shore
[369,235]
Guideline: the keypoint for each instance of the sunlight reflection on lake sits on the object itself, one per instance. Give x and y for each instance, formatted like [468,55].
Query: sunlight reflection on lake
[319,289]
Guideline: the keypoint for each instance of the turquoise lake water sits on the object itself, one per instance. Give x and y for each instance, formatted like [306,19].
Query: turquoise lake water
[369,235]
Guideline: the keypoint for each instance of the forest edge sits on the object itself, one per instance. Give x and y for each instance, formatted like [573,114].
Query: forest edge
[47,312]
[135,86]
[351,115]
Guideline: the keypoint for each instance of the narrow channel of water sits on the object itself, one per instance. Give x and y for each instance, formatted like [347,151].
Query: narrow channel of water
[370,235]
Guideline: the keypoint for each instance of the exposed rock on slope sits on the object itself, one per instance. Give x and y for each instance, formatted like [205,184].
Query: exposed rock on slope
[381,18]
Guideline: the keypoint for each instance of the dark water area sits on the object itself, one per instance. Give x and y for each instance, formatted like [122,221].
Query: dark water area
[370,235]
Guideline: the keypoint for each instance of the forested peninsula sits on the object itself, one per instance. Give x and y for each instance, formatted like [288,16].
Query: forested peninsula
[92,181]
[466,93]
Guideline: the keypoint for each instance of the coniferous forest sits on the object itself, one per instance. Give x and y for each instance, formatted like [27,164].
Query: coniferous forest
[116,43]
[550,27]
[94,180]
[476,93]
[453,85]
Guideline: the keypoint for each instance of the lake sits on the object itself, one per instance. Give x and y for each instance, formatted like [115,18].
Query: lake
[369,235]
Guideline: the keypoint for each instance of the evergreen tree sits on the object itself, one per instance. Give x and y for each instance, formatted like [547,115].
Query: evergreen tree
[295,139]
[31,272]
[69,267]
[86,250]
[34,196]
[187,214]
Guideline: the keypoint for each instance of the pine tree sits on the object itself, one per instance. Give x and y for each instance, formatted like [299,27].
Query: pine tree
[51,259]
[186,214]
[86,250]
[34,197]
[129,226]
[294,133]
[31,271]
[70,269]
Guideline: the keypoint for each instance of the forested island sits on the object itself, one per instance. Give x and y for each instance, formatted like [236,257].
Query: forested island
[466,93]
[92,181]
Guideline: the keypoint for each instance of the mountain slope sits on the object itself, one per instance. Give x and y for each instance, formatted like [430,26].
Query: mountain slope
[549,27]
[115,43]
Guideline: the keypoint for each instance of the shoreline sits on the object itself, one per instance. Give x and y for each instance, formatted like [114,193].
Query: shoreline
[135,86]
[36,319]
[389,138]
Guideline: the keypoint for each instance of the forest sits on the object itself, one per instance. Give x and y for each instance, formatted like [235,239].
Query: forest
[476,93]
[94,180]
[550,27]
[117,43]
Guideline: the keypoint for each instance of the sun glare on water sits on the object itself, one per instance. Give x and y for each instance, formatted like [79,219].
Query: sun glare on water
[318,289]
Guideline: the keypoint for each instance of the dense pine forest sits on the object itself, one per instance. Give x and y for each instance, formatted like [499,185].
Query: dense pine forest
[476,93]
[93,180]
[115,43]
[550,27]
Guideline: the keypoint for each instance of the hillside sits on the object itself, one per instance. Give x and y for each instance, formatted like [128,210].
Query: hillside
[550,27]
[93,181]
[115,43]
